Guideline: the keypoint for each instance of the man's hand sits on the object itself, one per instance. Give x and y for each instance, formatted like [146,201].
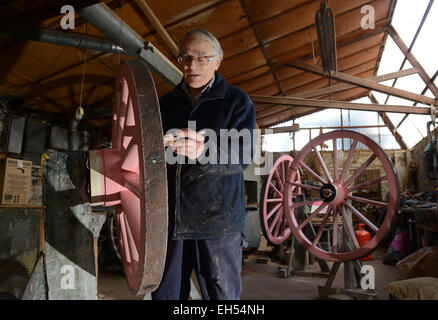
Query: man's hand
[186,142]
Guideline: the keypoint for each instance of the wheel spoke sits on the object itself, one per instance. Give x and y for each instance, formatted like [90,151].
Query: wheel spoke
[283,172]
[313,215]
[271,186]
[349,159]
[132,211]
[274,222]
[368,201]
[335,160]
[130,119]
[360,170]
[273,210]
[279,180]
[323,165]
[279,223]
[349,226]
[366,184]
[125,246]
[132,246]
[274,200]
[132,183]
[313,173]
[305,186]
[362,217]
[321,227]
[335,230]
[129,160]
[304,203]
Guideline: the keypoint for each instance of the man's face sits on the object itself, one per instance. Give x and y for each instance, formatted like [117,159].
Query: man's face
[197,76]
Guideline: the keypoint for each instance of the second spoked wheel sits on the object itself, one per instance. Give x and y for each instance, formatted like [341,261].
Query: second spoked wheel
[340,192]
[272,216]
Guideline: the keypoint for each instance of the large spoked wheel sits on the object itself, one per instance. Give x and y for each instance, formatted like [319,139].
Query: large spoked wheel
[341,195]
[273,217]
[132,177]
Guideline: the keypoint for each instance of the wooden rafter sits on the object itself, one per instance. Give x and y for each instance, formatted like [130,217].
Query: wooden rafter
[158,26]
[264,111]
[414,62]
[390,125]
[292,101]
[371,85]
[261,44]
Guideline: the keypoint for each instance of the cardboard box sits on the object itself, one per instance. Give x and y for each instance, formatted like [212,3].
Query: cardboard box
[15,180]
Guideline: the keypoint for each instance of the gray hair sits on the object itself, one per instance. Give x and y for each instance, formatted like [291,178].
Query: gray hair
[205,35]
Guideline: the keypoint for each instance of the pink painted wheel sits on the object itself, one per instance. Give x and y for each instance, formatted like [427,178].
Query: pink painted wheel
[132,177]
[274,222]
[340,192]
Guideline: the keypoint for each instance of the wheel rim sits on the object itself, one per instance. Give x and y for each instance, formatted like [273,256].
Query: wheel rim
[336,189]
[132,177]
[274,221]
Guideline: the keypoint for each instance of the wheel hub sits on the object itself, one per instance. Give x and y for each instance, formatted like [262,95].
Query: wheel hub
[332,193]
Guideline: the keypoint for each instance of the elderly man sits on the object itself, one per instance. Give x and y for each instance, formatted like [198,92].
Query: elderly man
[206,201]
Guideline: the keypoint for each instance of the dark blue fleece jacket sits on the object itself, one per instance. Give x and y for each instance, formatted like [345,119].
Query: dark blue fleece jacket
[208,200]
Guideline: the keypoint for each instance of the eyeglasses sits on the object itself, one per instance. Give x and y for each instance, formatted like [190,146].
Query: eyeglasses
[199,60]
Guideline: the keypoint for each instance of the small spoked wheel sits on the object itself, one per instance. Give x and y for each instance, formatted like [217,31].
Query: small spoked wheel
[274,222]
[131,175]
[343,191]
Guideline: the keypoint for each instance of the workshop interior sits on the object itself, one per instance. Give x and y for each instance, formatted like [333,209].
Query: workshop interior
[341,194]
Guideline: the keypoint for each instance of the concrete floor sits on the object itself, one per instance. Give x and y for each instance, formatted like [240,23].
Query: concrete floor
[261,281]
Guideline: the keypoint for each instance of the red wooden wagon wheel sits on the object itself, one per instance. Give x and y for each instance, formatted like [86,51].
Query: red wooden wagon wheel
[338,190]
[132,177]
[273,217]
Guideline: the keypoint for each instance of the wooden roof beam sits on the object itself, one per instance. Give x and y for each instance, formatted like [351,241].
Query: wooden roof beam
[346,40]
[341,87]
[261,44]
[292,101]
[414,62]
[345,86]
[371,85]
[390,125]
[158,26]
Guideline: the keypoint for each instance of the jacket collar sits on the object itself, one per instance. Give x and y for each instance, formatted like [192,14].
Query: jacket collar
[218,88]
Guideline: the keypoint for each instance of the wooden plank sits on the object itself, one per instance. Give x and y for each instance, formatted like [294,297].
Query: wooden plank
[158,26]
[262,111]
[300,111]
[258,83]
[261,12]
[345,86]
[238,64]
[345,24]
[365,83]
[287,129]
[292,101]
[349,44]
[304,16]
[304,51]
[309,78]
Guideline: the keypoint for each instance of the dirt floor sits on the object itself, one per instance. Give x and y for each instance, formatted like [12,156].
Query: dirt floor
[262,281]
